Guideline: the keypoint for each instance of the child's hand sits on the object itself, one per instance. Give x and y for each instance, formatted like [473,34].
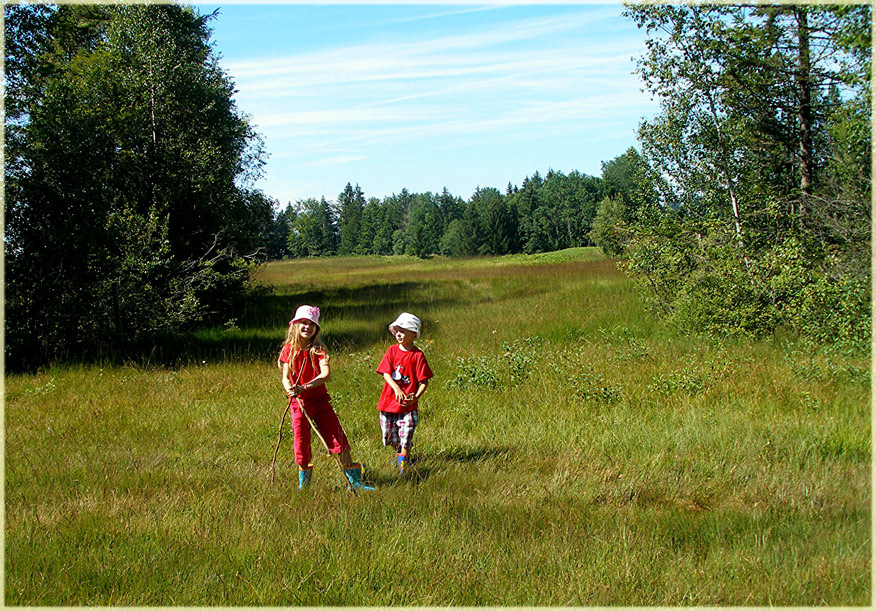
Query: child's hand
[400,396]
[406,400]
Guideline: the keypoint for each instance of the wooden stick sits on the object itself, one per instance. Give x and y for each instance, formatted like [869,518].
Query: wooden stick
[279,438]
[280,435]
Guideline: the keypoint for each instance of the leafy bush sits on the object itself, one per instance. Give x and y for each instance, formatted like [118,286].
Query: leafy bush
[520,362]
[474,371]
[698,276]
[835,310]
[687,381]
[608,227]
[592,387]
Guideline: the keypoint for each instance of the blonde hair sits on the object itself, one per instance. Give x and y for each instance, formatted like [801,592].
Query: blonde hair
[313,345]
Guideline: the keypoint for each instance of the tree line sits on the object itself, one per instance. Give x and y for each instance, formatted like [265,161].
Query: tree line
[544,214]
[130,209]
[746,211]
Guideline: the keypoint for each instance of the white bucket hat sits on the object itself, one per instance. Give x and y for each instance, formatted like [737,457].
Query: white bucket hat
[306,312]
[406,321]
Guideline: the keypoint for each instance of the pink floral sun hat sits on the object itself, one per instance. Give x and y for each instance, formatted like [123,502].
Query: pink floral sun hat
[306,312]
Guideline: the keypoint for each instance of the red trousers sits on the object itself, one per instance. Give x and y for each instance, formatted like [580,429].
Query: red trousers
[327,423]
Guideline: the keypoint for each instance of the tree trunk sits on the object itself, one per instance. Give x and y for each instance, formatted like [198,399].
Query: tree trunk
[804,89]
[725,168]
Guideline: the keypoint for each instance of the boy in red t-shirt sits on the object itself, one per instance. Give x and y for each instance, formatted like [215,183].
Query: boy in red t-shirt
[406,374]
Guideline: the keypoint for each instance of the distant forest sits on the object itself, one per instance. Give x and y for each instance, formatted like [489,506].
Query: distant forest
[131,214]
[545,213]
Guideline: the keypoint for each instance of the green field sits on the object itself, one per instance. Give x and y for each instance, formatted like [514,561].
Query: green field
[572,450]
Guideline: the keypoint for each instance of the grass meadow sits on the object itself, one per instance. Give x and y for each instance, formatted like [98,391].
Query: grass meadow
[571,451]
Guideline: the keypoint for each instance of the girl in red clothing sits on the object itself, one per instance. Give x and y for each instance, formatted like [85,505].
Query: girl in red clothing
[305,365]
[406,374]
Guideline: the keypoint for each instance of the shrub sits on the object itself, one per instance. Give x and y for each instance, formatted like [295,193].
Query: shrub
[474,371]
[608,227]
[698,275]
[520,362]
[592,387]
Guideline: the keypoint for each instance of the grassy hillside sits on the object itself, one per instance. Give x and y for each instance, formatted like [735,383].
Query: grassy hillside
[571,451]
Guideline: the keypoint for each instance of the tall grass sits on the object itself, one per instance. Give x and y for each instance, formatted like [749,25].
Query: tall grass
[571,451]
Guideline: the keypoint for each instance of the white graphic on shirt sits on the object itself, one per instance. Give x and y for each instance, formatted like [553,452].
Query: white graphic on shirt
[398,375]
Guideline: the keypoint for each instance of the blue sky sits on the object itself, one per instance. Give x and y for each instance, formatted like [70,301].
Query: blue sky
[423,97]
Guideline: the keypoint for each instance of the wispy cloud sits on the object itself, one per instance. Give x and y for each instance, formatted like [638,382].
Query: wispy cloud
[340,160]
[559,75]
[423,58]
[447,13]
[519,91]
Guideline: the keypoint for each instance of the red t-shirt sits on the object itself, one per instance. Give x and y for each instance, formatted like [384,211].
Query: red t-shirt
[408,368]
[304,370]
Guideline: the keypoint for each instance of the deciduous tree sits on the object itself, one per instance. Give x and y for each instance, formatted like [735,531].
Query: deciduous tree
[757,102]
[128,211]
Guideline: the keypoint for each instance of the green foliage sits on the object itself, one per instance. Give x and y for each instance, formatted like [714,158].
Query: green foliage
[827,366]
[686,381]
[314,231]
[513,369]
[700,279]
[609,227]
[556,212]
[520,356]
[628,178]
[145,291]
[491,373]
[492,222]
[351,203]
[833,310]
[124,215]
[276,236]
[546,215]
[762,149]
[724,297]
[849,131]
[474,372]
[591,387]
[424,227]
[453,240]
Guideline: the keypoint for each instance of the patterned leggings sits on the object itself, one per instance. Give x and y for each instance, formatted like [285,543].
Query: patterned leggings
[398,429]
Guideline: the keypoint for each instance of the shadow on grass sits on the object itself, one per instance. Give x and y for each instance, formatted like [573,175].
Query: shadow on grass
[257,333]
[467,455]
[423,465]
[373,299]
[193,347]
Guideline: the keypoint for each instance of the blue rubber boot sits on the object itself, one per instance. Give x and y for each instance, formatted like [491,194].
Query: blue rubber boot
[354,474]
[304,476]
[402,463]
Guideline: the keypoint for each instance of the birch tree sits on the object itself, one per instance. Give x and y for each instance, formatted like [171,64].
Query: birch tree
[754,104]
